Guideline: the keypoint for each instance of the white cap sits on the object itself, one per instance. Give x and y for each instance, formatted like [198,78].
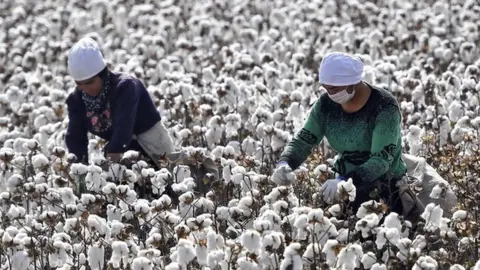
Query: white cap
[340,69]
[85,59]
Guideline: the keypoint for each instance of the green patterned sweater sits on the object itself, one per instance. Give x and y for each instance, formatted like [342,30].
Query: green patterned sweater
[368,141]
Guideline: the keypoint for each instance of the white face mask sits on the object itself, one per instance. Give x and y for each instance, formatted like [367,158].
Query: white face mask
[342,96]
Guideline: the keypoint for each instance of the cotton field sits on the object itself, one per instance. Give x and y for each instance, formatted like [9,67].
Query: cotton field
[234,81]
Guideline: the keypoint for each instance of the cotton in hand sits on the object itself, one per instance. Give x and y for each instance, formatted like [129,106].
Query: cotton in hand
[329,190]
[283,175]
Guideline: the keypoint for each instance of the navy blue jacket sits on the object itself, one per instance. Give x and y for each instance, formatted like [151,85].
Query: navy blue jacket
[133,112]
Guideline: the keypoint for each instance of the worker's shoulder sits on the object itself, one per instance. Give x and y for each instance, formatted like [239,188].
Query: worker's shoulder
[324,100]
[125,81]
[74,97]
[383,97]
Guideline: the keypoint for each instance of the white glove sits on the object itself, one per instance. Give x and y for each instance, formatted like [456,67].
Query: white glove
[329,190]
[283,175]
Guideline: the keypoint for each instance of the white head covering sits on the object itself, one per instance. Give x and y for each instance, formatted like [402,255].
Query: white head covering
[85,59]
[340,69]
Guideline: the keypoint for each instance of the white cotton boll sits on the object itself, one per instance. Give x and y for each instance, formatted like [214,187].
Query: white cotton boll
[301,221]
[181,172]
[349,188]
[233,124]
[385,235]
[459,215]
[433,216]
[312,251]
[368,260]
[185,251]
[238,174]
[173,266]
[142,263]
[217,152]
[201,253]
[262,226]
[211,241]
[16,212]
[20,260]
[228,151]
[119,253]
[320,169]
[459,267]
[96,256]
[280,206]
[79,169]
[436,192]
[367,223]
[392,221]
[329,250]
[222,213]
[414,139]
[403,245]
[425,263]
[335,210]
[350,256]
[245,264]
[379,266]
[87,199]
[315,215]
[249,145]
[251,240]
[39,161]
[214,258]
[293,260]
[455,111]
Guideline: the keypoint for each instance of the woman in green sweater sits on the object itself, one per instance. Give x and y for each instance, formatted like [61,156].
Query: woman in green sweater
[362,123]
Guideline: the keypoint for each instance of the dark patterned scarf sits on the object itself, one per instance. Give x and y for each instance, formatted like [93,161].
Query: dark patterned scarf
[98,108]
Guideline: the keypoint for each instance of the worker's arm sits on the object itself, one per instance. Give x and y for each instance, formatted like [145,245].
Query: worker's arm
[300,147]
[76,138]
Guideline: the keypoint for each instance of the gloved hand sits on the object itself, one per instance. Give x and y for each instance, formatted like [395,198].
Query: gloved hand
[329,189]
[283,175]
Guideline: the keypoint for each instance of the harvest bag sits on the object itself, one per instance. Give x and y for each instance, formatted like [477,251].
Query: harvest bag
[156,141]
[421,174]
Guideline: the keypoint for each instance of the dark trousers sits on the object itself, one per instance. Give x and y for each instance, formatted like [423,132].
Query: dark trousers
[386,191]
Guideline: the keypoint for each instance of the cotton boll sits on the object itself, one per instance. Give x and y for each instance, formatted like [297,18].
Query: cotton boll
[20,260]
[379,266]
[347,188]
[173,266]
[350,256]
[119,253]
[414,139]
[329,250]
[251,240]
[367,224]
[425,263]
[142,263]
[455,111]
[185,252]
[459,267]
[436,192]
[96,256]
[368,260]
[433,215]
[459,215]
[292,257]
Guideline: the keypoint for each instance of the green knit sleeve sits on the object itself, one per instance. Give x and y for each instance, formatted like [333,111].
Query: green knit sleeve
[301,145]
[386,142]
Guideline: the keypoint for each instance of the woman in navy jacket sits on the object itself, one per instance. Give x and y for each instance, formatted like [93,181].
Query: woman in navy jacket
[114,106]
